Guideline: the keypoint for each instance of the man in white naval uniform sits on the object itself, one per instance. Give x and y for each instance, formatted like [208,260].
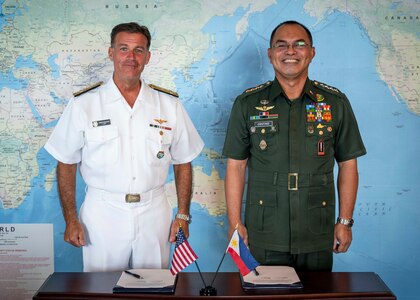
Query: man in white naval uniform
[124,135]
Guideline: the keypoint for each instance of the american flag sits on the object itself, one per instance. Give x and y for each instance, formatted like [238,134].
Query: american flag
[183,253]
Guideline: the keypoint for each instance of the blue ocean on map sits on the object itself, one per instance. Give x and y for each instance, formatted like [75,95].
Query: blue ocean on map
[26,62]
[8,80]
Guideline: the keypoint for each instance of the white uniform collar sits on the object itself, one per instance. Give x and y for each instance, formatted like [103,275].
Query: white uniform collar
[112,93]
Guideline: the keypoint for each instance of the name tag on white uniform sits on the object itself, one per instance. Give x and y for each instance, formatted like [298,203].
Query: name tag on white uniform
[101,123]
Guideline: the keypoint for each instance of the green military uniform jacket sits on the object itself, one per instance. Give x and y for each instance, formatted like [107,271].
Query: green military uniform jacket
[291,147]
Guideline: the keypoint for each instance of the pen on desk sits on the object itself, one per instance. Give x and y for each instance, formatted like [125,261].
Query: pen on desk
[133,274]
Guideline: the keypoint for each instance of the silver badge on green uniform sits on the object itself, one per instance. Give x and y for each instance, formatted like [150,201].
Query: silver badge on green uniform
[263,124]
[263,145]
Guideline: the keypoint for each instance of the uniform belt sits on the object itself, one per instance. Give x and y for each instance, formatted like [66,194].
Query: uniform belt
[293,181]
[128,198]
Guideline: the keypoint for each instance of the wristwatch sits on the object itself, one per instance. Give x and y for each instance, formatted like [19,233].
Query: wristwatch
[186,218]
[347,222]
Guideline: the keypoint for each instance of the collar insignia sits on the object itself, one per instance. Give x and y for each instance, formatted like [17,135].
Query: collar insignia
[319,97]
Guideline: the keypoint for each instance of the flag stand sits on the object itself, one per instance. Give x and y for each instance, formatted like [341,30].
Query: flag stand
[207,290]
[223,257]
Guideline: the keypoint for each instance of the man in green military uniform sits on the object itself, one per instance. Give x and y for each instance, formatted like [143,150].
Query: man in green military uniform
[289,132]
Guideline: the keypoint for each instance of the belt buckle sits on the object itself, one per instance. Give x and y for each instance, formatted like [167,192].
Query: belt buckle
[132,198]
[292,185]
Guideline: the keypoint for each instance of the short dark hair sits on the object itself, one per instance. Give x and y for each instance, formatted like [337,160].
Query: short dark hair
[131,27]
[291,22]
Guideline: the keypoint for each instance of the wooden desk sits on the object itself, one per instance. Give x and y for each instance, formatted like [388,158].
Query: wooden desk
[317,285]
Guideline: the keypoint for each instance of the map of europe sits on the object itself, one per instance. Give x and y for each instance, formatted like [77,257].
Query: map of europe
[209,52]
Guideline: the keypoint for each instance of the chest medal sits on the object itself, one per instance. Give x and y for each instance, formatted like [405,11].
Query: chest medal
[160,154]
[263,145]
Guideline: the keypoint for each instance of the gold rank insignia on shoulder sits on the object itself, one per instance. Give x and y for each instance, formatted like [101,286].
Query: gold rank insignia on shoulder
[163,90]
[326,87]
[89,88]
[253,89]
[264,108]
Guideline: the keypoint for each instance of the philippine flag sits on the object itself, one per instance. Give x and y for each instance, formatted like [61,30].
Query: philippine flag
[241,255]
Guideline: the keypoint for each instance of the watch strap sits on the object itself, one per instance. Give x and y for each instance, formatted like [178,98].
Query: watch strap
[186,218]
[347,222]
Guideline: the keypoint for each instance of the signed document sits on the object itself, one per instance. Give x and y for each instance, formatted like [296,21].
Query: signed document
[146,281]
[272,277]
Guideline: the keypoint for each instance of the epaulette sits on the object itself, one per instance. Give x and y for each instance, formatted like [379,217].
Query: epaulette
[89,88]
[326,87]
[166,91]
[257,88]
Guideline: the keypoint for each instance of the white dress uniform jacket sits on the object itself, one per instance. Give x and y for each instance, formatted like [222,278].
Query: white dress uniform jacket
[124,150]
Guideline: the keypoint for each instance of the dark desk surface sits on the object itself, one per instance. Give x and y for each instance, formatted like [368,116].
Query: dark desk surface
[317,285]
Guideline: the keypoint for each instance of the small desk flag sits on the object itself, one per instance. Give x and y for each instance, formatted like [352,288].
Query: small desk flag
[183,253]
[241,255]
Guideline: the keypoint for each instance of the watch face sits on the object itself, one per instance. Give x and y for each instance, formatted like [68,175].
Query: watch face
[346,222]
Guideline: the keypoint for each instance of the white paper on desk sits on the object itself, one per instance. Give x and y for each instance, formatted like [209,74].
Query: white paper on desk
[152,278]
[272,275]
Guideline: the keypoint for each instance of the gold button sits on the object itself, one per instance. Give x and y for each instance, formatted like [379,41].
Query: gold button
[261,202]
[324,203]
[321,132]
[263,130]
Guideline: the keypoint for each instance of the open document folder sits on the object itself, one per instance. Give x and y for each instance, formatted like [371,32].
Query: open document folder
[271,277]
[146,281]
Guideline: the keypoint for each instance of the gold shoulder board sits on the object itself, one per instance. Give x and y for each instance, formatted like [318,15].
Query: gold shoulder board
[257,88]
[166,91]
[89,88]
[326,87]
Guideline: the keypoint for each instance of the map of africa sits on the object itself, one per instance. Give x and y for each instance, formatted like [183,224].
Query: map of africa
[210,52]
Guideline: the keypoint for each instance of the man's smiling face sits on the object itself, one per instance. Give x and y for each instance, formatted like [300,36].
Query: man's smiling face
[291,52]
